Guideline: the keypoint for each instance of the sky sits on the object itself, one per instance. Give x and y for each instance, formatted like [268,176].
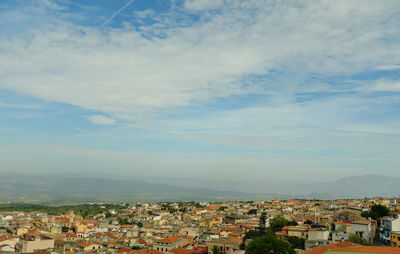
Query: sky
[223,89]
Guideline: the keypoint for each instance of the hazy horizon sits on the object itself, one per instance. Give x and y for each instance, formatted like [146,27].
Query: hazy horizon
[254,90]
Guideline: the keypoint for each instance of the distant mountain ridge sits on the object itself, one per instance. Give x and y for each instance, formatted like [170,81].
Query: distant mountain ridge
[349,186]
[65,188]
[53,188]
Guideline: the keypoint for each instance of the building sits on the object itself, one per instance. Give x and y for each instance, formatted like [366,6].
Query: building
[389,224]
[298,231]
[90,246]
[395,240]
[223,245]
[36,245]
[317,237]
[365,229]
[167,244]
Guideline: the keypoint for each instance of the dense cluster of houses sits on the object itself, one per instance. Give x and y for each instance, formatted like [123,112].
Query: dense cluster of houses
[198,228]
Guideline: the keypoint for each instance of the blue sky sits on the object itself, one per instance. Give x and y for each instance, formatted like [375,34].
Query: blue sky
[293,90]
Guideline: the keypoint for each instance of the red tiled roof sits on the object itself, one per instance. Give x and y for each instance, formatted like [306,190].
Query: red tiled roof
[127,226]
[88,244]
[181,251]
[334,246]
[212,207]
[141,241]
[124,250]
[145,251]
[372,249]
[170,239]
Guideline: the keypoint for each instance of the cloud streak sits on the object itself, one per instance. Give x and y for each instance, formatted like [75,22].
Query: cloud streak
[126,5]
[99,119]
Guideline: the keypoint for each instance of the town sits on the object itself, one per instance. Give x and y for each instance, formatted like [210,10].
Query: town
[369,225]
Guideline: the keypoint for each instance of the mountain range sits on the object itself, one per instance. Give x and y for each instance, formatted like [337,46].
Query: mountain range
[110,188]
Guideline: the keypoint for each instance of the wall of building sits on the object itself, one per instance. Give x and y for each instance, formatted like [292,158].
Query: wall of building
[37,245]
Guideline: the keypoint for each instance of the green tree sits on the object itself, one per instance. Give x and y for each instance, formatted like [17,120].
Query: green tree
[380,210]
[215,250]
[356,239]
[269,243]
[261,226]
[296,242]
[252,211]
[376,212]
[278,222]
[123,221]
[309,222]
[251,234]
[222,208]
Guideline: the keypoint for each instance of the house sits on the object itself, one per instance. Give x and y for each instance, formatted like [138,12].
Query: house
[341,231]
[389,224]
[181,251]
[90,246]
[124,251]
[22,230]
[36,244]
[395,240]
[8,245]
[167,244]
[298,231]
[365,229]
[234,219]
[223,245]
[317,237]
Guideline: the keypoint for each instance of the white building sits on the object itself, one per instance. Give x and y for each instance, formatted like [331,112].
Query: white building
[388,225]
[317,237]
[364,229]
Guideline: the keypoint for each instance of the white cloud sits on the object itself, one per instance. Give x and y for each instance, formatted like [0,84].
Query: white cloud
[389,67]
[201,5]
[384,85]
[126,75]
[99,119]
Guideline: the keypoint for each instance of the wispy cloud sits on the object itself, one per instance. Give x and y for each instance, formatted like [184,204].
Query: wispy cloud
[100,119]
[385,85]
[117,12]
[195,64]
[286,79]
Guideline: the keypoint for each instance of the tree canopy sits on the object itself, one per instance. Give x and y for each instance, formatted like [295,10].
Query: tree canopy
[278,222]
[376,212]
[269,243]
